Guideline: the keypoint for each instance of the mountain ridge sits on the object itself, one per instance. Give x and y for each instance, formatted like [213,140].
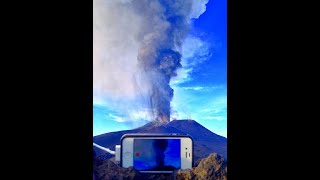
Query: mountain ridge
[205,141]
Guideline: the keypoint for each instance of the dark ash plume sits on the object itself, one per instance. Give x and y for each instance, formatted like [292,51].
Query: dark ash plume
[160,145]
[167,24]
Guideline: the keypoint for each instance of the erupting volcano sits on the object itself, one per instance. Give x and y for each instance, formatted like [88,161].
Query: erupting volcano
[136,57]
[164,118]
[205,141]
[159,59]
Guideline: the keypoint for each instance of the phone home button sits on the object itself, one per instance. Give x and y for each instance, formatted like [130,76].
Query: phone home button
[127,155]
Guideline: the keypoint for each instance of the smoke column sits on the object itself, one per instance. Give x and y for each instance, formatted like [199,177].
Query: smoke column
[156,32]
[159,55]
[160,146]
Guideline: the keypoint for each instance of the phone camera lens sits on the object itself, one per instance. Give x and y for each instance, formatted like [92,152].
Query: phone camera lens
[186,148]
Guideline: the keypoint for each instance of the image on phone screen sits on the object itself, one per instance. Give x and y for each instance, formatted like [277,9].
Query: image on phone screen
[156,154]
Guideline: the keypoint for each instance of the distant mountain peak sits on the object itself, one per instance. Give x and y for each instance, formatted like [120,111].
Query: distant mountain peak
[205,141]
[185,121]
[151,125]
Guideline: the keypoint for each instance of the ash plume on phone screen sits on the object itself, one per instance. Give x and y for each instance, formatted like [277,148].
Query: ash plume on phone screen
[137,50]
[160,146]
[157,154]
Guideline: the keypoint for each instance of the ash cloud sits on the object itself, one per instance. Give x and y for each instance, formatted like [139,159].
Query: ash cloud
[137,50]
[160,146]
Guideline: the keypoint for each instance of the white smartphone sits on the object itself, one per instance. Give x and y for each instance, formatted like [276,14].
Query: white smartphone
[156,153]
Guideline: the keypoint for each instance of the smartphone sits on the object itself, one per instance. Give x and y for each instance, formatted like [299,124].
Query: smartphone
[156,153]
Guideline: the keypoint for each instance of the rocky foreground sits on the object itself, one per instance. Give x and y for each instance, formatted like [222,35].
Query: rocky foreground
[214,167]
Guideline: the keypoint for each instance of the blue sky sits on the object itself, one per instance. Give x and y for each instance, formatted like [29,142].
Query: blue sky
[200,89]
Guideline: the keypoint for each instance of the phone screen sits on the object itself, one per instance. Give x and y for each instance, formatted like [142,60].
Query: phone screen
[156,154]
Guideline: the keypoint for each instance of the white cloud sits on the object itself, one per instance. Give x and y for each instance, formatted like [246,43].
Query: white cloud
[206,110]
[143,114]
[195,88]
[198,88]
[216,105]
[116,118]
[132,116]
[183,75]
[198,8]
[194,47]
[114,49]
[218,118]
[98,101]
[194,52]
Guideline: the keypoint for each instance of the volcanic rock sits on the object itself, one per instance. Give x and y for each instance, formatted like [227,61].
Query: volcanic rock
[214,167]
